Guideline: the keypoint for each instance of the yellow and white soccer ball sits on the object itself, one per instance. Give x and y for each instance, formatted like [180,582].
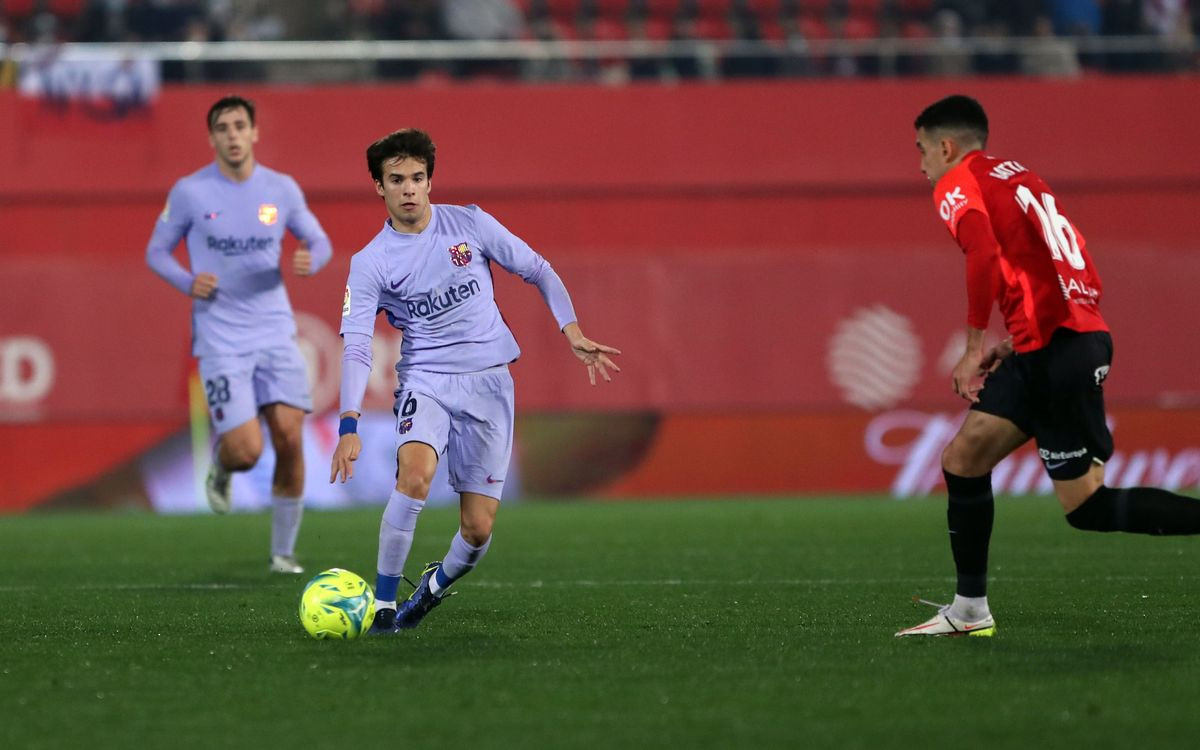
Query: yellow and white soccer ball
[337,604]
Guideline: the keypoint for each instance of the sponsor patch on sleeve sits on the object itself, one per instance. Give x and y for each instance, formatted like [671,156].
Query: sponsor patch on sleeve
[346,303]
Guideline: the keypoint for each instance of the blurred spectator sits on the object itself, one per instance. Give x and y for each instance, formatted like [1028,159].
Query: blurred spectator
[160,20]
[1076,17]
[484,20]
[1172,21]
[1020,17]
[1166,17]
[970,13]
[410,19]
[715,38]
[948,53]
[101,21]
[8,68]
[994,55]
[1049,55]
[1123,18]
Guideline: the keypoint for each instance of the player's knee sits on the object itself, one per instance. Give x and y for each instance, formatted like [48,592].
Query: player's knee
[961,457]
[288,443]
[240,456]
[414,482]
[1101,511]
[476,529]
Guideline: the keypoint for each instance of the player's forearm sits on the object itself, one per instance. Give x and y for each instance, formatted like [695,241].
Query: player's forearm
[554,292]
[975,338]
[356,371]
[160,260]
[320,247]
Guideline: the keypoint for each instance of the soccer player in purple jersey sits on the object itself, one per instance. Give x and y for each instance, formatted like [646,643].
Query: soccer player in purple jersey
[429,271]
[233,213]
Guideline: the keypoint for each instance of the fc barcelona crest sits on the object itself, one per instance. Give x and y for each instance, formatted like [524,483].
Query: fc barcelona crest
[460,254]
[268,213]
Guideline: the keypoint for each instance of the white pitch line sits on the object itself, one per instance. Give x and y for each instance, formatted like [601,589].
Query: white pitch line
[590,583]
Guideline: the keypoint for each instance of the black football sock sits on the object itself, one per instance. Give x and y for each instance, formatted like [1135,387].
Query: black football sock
[1137,510]
[969,516]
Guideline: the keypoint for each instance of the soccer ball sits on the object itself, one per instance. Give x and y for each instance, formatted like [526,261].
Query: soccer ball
[337,604]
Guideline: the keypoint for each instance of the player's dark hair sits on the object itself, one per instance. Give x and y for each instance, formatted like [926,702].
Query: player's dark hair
[955,112]
[233,101]
[407,143]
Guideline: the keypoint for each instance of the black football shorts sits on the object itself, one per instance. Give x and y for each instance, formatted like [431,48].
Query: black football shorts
[1056,394]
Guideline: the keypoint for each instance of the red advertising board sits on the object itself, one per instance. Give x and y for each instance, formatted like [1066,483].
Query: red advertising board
[764,255]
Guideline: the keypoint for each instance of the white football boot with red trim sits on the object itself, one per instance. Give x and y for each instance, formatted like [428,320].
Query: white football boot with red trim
[944,624]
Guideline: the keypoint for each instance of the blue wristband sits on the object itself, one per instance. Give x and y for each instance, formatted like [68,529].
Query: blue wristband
[348,426]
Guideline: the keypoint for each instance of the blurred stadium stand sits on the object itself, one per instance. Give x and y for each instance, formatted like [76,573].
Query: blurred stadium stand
[614,41]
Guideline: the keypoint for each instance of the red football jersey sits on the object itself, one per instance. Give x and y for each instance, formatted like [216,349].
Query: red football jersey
[1047,277]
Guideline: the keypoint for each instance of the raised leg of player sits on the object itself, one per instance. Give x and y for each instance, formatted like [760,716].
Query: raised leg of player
[477,515]
[416,464]
[1090,506]
[240,448]
[237,450]
[286,426]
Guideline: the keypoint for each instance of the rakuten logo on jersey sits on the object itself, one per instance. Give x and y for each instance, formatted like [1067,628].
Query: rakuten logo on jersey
[240,245]
[950,205]
[26,370]
[433,306]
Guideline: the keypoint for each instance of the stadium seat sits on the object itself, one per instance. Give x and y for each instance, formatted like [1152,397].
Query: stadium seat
[64,9]
[860,27]
[14,9]
[916,8]
[662,8]
[812,28]
[813,7]
[657,29]
[713,8]
[771,30]
[615,10]
[564,10]
[607,30]
[915,30]
[366,8]
[765,8]
[713,28]
[862,8]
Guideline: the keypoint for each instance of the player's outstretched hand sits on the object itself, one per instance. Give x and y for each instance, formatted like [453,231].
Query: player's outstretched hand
[592,354]
[302,261]
[344,456]
[204,286]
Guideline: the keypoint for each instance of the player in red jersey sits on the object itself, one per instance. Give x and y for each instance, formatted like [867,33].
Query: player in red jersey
[1046,380]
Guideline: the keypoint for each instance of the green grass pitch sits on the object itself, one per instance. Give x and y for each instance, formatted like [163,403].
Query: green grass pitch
[734,624]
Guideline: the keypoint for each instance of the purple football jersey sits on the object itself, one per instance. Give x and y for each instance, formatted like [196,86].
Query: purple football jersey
[436,286]
[234,230]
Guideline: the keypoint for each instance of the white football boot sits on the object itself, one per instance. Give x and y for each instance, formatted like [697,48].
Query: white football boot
[285,564]
[216,487]
[944,624]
